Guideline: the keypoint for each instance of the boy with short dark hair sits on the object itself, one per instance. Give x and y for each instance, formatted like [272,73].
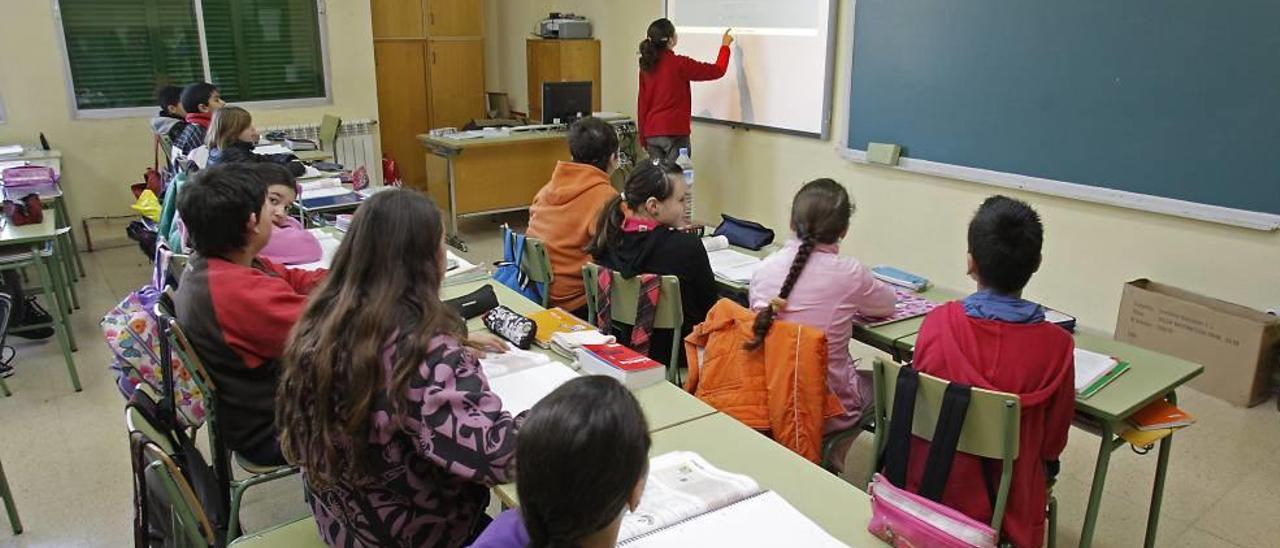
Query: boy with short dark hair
[170,122]
[996,340]
[199,100]
[235,307]
[563,214]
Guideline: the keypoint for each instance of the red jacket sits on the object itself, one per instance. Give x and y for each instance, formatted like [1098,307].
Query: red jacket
[1032,360]
[664,107]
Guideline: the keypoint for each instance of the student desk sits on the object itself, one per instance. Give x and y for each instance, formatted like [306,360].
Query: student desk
[46,255]
[664,404]
[835,505]
[497,174]
[53,159]
[1151,376]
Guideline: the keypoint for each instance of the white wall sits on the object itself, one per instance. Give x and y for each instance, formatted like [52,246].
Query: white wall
[101,158]
[911,221]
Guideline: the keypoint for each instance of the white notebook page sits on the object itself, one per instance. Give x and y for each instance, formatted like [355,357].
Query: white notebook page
[765,520]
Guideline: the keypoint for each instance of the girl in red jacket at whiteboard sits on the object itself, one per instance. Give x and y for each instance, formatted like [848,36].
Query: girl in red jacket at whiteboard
[664,108]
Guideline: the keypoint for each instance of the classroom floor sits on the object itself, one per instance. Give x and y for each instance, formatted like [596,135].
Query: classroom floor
[66,453]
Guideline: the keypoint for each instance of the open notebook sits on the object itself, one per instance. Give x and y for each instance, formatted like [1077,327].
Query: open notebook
[689,502]
[522,378]
[910,305]
[733,266]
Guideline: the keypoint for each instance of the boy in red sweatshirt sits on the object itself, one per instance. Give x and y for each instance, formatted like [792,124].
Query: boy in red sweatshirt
[995,340]
[235,307]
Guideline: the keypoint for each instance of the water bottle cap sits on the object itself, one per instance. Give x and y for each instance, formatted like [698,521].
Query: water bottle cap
[684,151]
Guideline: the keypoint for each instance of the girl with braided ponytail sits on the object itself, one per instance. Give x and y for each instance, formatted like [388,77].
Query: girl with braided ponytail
[809,282]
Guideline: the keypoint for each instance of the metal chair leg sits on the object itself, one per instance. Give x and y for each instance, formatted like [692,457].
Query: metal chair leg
[61,328]
[9,505]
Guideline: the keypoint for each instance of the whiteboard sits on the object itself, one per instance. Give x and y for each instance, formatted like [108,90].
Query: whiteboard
[779,73]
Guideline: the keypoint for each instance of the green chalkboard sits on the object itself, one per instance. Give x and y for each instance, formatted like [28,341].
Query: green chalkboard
[1170,98]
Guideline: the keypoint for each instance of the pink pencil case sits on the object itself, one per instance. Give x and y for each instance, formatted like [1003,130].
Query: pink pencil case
[907,520]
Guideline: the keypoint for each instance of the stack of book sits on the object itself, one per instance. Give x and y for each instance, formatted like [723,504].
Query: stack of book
[631,368]
[1157,420]
[1095,371]
[564,333]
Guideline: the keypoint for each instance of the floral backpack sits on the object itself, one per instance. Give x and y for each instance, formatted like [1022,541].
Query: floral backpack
[132,333]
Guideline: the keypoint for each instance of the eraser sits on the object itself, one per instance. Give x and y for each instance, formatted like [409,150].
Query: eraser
[883,153]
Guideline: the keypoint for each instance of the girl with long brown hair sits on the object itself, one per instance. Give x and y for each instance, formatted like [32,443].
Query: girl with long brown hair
[381,402]
[809,282]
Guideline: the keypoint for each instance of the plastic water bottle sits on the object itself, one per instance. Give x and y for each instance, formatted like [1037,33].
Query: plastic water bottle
[686,163]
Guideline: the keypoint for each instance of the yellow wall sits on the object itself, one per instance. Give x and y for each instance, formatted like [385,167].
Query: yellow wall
[101,158]
[912,221]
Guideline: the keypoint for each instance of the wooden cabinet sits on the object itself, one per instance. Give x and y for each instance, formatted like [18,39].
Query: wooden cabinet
[403,104]
[457,81]
[429,57]
[561,61]
[398,19]
[455,18]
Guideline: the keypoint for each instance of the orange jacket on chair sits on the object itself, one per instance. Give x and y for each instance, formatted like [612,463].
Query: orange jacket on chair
[780,389]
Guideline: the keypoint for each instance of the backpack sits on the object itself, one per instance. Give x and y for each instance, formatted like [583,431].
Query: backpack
[132,332]
[509,271]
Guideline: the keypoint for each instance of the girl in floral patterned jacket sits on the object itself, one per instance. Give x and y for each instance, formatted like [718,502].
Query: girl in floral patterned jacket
[382,401]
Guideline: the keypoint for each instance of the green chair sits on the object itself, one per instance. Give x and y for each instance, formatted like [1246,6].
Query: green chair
[222,456]
[536,264]
[626,294]
[991,424]
[329,133]
[9,506]
[191,524]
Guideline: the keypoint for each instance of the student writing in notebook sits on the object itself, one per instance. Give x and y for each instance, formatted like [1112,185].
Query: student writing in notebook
[809,282]
[563,214]
[290,242]
[232,137]
[236,307]
[382,400]
[636,234]
[995,339]
[199,100]
[581,458]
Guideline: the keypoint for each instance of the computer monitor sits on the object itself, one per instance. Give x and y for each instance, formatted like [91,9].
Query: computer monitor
[567,101]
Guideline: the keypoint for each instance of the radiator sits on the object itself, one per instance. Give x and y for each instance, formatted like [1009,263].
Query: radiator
[356,146]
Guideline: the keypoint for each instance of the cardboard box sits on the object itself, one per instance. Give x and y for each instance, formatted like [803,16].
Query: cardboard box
[1236,345]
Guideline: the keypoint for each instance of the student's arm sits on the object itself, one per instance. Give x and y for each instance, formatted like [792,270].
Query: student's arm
[462,425]
[697,71]
[255,314]
[302,281]
[701,292]
[1061,409]
[873,298]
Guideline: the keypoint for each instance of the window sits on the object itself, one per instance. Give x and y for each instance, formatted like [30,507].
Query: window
[120,51]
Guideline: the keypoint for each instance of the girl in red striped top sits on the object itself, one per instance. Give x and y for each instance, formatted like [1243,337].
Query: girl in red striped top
[664,108]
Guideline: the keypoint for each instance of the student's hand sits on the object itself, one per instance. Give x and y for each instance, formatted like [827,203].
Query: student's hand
[727,38]
[479,344]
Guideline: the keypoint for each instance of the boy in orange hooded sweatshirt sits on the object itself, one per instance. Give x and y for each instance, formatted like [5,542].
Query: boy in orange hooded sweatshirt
[563,214]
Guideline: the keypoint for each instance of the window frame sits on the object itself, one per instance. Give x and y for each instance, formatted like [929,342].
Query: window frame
[77,113]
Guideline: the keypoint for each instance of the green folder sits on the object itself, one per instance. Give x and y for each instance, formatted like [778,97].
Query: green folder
[1103,381]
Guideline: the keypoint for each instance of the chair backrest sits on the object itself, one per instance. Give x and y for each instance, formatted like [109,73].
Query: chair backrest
[199,155]
[329,131]
[189,518]
[626,294]
[991,423]
[536,264]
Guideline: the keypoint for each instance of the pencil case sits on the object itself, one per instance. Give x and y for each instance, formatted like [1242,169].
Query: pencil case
[516,329]
[475,303]
[743,233]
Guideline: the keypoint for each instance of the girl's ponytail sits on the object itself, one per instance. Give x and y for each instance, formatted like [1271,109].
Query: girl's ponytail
[608,227]
[764,319]
[658,40]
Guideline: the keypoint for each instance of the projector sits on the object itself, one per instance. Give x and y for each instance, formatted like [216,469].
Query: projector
[564,26]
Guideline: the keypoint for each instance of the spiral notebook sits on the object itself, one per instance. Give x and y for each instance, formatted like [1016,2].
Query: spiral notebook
[689,502]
